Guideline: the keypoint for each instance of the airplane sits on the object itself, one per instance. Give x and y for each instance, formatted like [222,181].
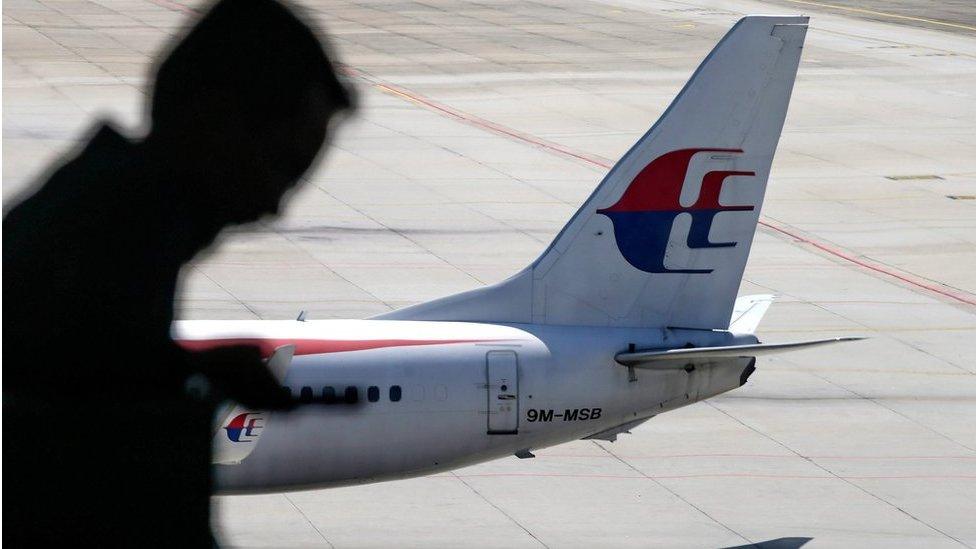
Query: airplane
[629,313]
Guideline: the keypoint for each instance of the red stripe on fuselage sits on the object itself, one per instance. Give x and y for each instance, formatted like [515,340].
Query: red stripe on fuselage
[315,346]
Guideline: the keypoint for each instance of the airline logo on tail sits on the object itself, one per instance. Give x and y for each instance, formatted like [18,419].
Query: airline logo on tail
[643,217]
[245,427]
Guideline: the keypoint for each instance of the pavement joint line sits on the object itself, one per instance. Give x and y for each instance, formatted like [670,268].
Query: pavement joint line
[708,475]
[41,28]
[749,456]
[890,41]
[885,372]
[333,271]
[493,504]
[468,205]
[884,14]
[839,33]
[869,264]
[907,398]
[818,374]
[57,89]
[884,330]
[655,480]
[879,402]
[308,520]
[529,32]
[480,122]
[946,286]
[398,232]
[319,262]
[226,291]
[177,6]
[908,344]
[847,480]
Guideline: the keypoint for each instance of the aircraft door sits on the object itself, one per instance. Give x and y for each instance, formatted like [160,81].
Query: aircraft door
[503,407]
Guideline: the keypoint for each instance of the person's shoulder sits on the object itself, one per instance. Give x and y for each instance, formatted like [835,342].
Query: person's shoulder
[80,188]
[105,154]
[101,152]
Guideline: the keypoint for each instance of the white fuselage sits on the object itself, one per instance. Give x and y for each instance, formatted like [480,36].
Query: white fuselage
[662,241]
[459,403]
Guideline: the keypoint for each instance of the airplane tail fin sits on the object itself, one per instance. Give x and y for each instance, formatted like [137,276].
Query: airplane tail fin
[663,240]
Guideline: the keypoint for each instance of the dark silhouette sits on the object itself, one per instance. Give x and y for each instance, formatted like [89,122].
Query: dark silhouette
[104,442]
[778,543]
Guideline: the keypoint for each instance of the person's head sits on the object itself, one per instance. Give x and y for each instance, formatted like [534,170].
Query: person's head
[245,99]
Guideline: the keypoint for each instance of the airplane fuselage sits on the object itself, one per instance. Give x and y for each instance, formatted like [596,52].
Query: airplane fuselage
[434,396]
[539,358]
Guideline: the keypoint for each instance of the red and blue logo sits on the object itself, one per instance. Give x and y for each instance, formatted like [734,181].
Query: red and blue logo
[643,217]
[245,427]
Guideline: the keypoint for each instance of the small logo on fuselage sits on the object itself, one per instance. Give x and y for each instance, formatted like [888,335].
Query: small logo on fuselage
[643,217]
[245,427]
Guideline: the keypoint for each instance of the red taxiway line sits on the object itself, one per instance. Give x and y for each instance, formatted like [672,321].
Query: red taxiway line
[562,150]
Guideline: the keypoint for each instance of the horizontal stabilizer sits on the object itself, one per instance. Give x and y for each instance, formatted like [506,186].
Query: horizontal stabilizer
[667,359]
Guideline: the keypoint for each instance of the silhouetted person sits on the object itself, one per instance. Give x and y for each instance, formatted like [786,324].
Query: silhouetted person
[103,443]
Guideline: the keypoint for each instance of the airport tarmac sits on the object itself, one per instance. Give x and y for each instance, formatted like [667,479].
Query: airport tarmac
[482,127]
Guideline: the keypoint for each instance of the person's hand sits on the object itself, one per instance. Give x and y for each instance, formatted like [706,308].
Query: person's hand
[237,372]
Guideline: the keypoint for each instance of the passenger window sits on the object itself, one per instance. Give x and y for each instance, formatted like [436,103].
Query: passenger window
[328,395]
[373,393]
[395,393]
[306,395]
[352,395]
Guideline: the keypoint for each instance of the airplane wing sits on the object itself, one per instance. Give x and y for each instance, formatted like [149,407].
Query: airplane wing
[676,359]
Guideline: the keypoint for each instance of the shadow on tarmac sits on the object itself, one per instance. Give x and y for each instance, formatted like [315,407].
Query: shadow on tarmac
[778,543]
